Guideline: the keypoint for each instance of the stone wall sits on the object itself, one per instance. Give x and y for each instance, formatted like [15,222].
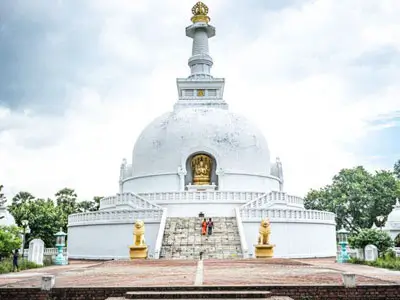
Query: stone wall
[322,292]
[295,238]
[93,241]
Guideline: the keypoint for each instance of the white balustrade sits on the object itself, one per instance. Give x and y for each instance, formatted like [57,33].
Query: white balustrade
[242,236]
[249,214]
[48,252]
[115,216]
[266,200]
[132,200]
[160,235]
[215,196]
[148,200]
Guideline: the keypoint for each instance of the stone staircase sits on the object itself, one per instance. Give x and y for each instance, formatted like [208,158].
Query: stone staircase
[183,239]
[201,292]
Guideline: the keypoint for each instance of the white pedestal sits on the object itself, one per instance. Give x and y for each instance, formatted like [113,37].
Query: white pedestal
[201,188]
[48,282]
[349,280]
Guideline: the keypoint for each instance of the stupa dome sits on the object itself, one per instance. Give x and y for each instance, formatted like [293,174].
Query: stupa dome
[394,216]
[167,142]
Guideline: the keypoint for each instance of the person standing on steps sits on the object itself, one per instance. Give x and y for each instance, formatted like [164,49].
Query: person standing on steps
[204,227]
[210,226]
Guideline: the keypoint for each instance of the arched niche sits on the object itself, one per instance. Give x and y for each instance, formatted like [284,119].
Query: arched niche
[188,165]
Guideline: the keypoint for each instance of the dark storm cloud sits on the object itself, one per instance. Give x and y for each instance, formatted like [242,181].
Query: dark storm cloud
[48,48]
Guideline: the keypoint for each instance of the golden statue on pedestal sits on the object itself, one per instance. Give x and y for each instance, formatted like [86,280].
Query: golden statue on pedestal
[201,168]
[264,232]
[264,249]
[139,247]
[200,13]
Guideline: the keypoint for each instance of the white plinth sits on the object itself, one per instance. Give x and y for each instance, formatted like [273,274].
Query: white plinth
[201,188]
[48,282]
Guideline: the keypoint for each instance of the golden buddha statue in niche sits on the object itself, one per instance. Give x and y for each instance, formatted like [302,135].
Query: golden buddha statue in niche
[201,168]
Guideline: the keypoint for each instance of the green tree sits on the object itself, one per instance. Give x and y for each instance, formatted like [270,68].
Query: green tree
[87,206]
[45,217]
[397,241]
[9,240]
[396,169]
[20,206]
[66,200]
[357,197]
[379,238]
[41,214]
[3,199]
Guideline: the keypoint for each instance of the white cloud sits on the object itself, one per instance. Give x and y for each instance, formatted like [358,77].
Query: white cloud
[292,78]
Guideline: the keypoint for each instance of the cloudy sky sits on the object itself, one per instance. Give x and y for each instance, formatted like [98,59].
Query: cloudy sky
[80,79]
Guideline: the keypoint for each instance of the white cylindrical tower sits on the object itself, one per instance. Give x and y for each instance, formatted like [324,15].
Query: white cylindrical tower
[200,31]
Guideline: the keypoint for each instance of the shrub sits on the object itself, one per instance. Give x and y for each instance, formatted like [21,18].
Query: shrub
[9,240]
[6,265]
[379,238]
[47,261]
[397,241]
[389,254]
[387,263]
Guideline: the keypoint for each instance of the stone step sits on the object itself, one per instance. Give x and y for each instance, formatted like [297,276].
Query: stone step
[183,239]
[198,295]
[269,298]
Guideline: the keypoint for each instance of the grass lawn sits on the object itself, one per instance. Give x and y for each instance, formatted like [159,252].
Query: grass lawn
[6,265]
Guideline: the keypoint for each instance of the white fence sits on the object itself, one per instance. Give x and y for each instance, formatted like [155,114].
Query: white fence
[48,252]
[215,196]
[274,197]
[114,216]
[127,199]
[248,214]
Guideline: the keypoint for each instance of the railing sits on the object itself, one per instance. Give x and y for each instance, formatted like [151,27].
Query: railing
[48,252]
[216,196]
[287,214]
[114,216]
[243,243]
[127,199]
[160,235]
[274,197]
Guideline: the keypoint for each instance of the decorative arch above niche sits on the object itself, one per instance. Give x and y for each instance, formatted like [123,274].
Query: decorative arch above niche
[201,172]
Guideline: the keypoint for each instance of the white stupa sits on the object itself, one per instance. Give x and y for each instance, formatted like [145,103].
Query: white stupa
[392,225]
[200,157]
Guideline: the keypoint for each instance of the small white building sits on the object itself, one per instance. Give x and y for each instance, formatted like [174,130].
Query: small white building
[392,225]
[201,157]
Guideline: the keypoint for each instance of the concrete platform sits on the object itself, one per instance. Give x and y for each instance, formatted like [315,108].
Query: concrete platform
[214,272]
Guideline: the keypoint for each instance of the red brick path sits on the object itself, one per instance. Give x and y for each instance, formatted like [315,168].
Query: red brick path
[216,272]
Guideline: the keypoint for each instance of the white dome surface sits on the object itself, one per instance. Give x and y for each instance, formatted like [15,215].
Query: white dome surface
[240,151]
[394,216]
[169,140]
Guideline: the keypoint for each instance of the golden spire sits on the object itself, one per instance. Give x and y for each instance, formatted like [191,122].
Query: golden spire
[200,11]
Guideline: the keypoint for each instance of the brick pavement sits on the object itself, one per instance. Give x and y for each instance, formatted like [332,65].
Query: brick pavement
[372,272]
[215,272]
[266,272]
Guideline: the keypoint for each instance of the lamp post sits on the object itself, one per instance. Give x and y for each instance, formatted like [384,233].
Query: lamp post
[380,220]
[60,243]
[342,237]
[25,230]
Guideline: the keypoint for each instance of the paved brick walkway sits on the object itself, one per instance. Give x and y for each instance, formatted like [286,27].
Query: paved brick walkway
[215,272]
[367,271]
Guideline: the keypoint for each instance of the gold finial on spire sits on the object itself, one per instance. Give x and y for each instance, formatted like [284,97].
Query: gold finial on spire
[200,11]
